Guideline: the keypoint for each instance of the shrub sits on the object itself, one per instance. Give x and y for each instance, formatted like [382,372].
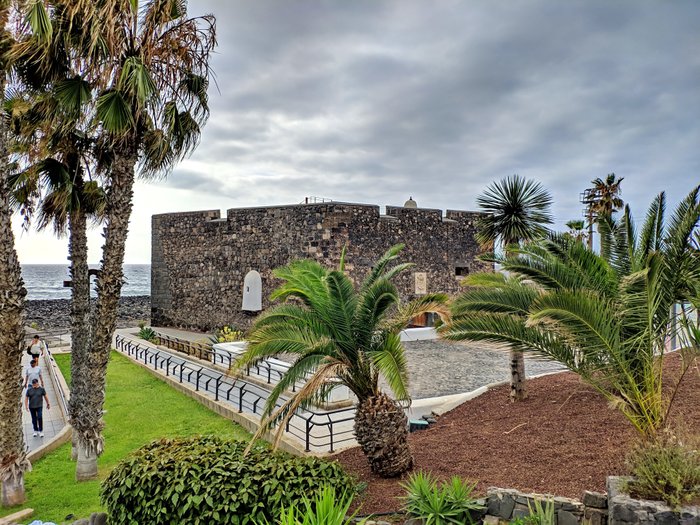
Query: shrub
[208,480]
[439,505]
[540,515]
[227,334]
[324,509]
[666,468]
[148,333]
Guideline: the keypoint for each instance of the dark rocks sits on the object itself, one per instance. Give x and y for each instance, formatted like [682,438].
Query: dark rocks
[54,314]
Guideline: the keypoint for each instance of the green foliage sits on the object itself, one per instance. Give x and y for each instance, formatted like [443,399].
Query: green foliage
[147,333]
[516,210]
[540,515]
[448,503]
[132,419]
[209,480]
[606,319]
[337,331]
[666,468]
[227,334]
[324,509]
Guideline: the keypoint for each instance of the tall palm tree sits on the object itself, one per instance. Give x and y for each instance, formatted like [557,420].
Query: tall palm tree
[518,210]
[343,334]
[13,458]
[606,320]
[53,122]
[152,83]
[577,229]
[604,202]
[149,65]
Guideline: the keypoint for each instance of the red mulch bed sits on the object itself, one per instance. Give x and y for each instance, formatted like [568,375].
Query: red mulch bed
[562,440]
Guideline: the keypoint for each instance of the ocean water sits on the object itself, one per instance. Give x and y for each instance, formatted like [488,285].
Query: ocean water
[45,281]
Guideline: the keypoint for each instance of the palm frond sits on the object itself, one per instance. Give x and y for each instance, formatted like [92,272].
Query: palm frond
[389,358]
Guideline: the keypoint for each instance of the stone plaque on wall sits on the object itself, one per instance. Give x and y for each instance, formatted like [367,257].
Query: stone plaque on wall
[421,283]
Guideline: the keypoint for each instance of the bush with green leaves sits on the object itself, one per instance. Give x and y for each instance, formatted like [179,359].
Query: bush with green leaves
[148,333]
[226,334]
[324,509]
[440,504]
[666,468]
[207,479]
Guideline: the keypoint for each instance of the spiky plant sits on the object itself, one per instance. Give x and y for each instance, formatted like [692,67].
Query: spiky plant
[607,321]
[346,334]
[518,210]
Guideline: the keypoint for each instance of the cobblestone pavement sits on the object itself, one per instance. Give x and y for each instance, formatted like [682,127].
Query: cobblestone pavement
[438,368]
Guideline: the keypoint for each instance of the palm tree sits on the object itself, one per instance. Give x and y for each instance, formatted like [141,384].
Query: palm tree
[153,82]
[577,229]
[13,457]
[606,320]
[149,65]
[517,211]
[348,335]
[604,201]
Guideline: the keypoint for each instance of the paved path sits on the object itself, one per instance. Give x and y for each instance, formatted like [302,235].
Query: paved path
[440,368]
[54,420]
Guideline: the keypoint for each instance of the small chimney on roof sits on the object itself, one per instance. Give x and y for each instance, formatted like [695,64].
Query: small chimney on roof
[410,203]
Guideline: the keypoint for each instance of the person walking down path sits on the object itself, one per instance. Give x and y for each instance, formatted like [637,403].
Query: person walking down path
[34,403]
[33,371]
[36,348]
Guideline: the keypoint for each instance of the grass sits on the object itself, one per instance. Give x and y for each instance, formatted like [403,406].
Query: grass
[139,408]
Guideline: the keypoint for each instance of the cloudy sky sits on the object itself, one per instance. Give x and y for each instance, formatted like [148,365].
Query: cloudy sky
[376,101]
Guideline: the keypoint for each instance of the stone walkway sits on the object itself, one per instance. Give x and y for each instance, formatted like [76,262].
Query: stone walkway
[54,419]
[440,368]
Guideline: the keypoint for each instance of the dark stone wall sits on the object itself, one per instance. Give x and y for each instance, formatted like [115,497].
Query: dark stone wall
[199,260]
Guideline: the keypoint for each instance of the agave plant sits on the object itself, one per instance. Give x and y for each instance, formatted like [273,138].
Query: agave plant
[343,334]
[608,320]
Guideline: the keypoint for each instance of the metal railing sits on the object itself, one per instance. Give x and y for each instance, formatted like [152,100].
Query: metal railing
[56,384]
[318,430]
[264,370]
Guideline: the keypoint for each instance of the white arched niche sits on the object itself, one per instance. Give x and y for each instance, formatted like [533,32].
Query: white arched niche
[252,292]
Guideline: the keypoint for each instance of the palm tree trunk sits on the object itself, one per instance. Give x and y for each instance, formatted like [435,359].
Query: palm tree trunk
[381,429]
[80,319]
[109,284]
[13,459]
[518,390]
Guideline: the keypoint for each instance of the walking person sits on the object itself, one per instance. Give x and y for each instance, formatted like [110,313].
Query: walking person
[36,348]
[33,371]
[34,403]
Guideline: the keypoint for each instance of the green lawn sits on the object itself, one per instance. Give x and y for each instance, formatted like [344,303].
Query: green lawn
[139,408]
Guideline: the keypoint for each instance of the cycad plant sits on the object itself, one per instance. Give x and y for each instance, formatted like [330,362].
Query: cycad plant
[607,320]
[344,334]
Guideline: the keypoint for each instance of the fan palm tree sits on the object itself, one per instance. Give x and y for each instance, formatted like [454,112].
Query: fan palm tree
[604,202]
[149,65]
[517,211]
[577,229]
[347,335]
[13,457]
[606,320]
[54,129]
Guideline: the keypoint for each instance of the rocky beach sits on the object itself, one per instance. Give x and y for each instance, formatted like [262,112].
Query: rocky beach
[54,314]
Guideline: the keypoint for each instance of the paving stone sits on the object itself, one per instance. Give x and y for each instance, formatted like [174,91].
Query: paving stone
[564,517]
[595,499]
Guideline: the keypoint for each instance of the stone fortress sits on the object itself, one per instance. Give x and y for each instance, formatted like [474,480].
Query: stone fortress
[208,270]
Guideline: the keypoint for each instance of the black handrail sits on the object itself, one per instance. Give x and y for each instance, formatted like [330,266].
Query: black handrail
[305,425]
